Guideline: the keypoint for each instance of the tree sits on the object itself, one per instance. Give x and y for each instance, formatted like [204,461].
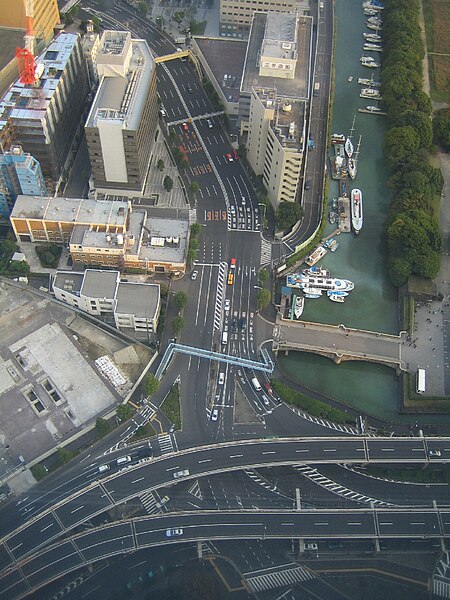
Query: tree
[194,187]
[177,324]
[263,276]
[143,8]
[168,183]
[399,144]
[65,456]
[288,214]
[180,300]
[151,384]
[441,131]
[195,229]
[124,412]
[263,298]
[102,427]
[160,165]
[422,126]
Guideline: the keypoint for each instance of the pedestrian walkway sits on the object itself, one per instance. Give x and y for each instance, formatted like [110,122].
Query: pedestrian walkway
[220,295]
[266,252]
[166,443]
[314,475]
[441,578]
[149,502]
[279,576]
[154,189]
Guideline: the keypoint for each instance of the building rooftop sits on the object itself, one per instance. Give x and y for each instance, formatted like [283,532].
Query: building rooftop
[82,211]
[280,36]
[139,299]
[289,88]
[31,102]
[225,58]
[120,98]
[69,281]
[100,284]
[165,240]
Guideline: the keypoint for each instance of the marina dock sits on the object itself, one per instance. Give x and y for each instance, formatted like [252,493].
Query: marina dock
[344,216]
[371,112]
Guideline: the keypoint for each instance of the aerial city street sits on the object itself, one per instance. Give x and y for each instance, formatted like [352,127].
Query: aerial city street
[224,301]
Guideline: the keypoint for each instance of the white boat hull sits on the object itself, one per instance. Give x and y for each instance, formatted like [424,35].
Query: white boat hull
[356,210]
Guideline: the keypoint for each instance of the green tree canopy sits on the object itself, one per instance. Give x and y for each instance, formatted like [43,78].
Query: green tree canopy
[180,300]
[177,324]
[288,214]
[168,183]
[102,427]
[124,412]
[151,384]
[421,124]
[160,164]
[441,131]
[194,187]
[399,143]
[263,298]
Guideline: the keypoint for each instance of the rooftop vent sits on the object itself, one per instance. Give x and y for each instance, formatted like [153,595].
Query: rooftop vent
[287,107]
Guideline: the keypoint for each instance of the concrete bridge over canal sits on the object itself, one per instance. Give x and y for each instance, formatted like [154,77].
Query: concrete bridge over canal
[340,343]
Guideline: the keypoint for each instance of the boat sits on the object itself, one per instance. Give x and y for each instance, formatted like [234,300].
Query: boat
[370,93]
[348,147]
[373,109]
[334,204]
[370,82]
[370,12]
[372,37]
[310,282]
[373,47]
[364,94]
[357,210]
[337,296]
[375,21]
[317,272]
[315,256]
[338,138]
[332,217]
[334,245]
[313,293]
[351,168]
[371,65]
[364,59]
[299,306]
[373,5]
[350,78]
[373,26]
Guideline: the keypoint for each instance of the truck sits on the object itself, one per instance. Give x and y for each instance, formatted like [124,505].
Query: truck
[316,89]
[180,40]
[420,381]
[225,337]
[311,143]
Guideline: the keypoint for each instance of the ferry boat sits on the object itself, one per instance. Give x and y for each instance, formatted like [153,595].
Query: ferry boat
[348,147]
[370,82]
[315,256]
[357,210]
[308,282]
[316,272]
[299,306]
[337,296]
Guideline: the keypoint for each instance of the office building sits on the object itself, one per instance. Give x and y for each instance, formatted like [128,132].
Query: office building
[105,234]
[236,15]
[44,118]
[134,305]
[20,173]
[45,17]
[122,125]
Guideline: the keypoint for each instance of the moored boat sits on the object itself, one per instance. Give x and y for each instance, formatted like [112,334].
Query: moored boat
[332,217]
[337,296]
[334,245]
[348,147]
[315,256]
[373,26]
[312,293]
[317,272]
[351,167]
[308,282]
[356,210]
[369,93]
[373,109]
[372,37]
[370,82]
[373,47]
[337,138]
[299,306]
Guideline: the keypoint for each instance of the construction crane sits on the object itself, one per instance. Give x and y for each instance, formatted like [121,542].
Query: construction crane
[25,56]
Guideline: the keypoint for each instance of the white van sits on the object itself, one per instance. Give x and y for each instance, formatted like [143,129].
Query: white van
[256,384]
[103,468]
[123,460]
[225,337]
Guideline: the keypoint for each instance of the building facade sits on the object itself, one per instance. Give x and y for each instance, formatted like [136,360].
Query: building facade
[105,234]
[236,15]
[122,125]
[44,118]
[134,306]
[45,17]
[20,173]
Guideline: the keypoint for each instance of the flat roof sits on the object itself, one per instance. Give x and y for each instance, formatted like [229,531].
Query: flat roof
[80,210]
[22,101]
[280,36]
[139,299]
[10,39]
[100,284]
[121,99]
[289,88]
[157,229]
[70,281]
[225,57]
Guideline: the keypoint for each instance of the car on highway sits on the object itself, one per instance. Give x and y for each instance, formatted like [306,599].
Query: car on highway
[434,453]
[243,200]
[229,157]
[162,112]
[194,275]
[183,473]
[189,88]
[123,460]
[311,547]
[230,278]
[232,263]
[307,184]
[209,123]
[226,305]
[268,388]
[103,468]
[164,500]
[185,126]
[265,399]
[173,532]
[214,415]
[221,378]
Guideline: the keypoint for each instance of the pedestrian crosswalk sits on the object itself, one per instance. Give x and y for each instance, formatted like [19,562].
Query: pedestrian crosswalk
[441,578]
[149,501]
[220,294]
[165,443]
[259,581]
[314,475]
[192,216]
[266,252]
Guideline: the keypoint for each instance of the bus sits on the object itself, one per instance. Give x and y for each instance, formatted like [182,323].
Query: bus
[420,381]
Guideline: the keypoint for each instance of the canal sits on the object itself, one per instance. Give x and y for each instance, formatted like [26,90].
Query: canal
[372,305]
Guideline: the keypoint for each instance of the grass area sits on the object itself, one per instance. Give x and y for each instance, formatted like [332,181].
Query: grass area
[429,475]
[420,403]
[437,27]
[171,406]
[310,405]
[144,432]
[408,313]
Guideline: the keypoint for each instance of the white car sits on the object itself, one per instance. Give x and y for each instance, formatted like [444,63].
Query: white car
[194,275]
[182,473]
[434,453]
[226,305]
[214,415]
[221,378]
[172,532]
[243,200]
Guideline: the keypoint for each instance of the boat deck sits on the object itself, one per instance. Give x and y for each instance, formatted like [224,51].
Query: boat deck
[344,215]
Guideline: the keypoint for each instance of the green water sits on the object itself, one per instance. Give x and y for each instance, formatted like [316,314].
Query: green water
[372,305]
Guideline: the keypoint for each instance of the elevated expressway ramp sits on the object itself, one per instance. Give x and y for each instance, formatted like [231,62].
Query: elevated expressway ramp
[35,571]
[119,487]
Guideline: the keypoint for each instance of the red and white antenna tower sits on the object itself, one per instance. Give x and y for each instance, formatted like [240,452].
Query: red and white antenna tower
[25,56]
